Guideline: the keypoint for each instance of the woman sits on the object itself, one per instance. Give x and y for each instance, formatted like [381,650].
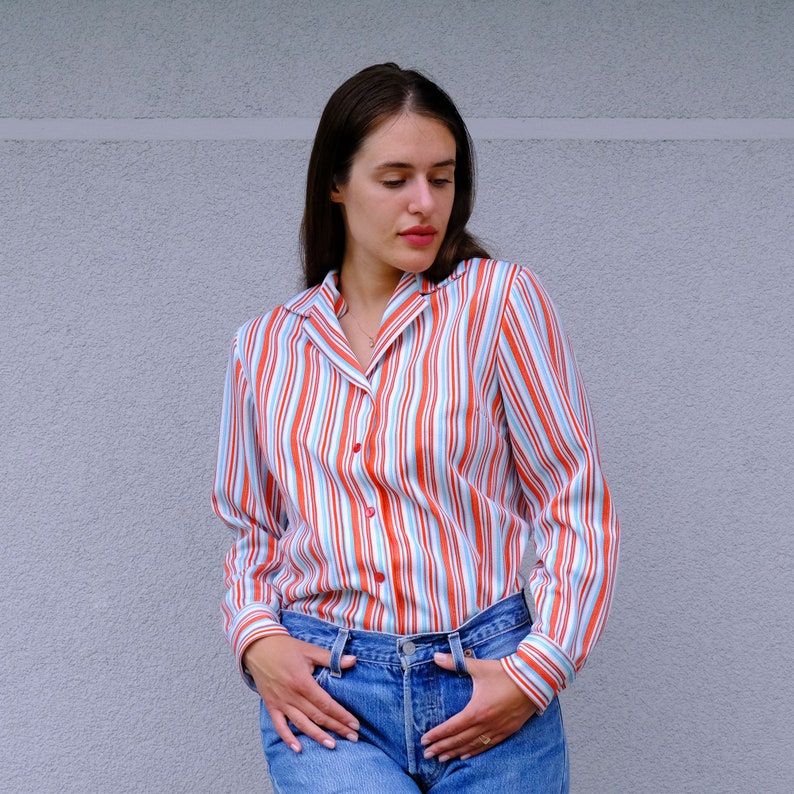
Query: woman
[392,439]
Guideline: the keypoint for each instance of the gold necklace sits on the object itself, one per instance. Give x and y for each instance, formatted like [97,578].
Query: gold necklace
[361,327]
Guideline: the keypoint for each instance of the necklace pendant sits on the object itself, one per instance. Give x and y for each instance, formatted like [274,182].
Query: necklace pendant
[371,343]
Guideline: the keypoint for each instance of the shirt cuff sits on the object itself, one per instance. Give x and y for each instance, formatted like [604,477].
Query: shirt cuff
[540,669]
[250,625]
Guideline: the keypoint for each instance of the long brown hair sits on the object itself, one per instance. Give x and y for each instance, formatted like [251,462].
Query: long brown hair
[353,112]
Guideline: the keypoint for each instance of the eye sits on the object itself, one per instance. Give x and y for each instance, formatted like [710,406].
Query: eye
[393,182]
[440,182]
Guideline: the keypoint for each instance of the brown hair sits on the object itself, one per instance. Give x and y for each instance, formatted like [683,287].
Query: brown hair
[353,112]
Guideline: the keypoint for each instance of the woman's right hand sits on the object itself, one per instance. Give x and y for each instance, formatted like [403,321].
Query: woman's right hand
[282,669]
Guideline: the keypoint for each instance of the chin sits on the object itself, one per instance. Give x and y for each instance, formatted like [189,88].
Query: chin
[417,265]
[423,268]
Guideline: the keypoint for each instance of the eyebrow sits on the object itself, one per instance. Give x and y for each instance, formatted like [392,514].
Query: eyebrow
[442,164]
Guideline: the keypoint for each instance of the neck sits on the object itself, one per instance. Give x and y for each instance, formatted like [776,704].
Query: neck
[366,295]
[367,291]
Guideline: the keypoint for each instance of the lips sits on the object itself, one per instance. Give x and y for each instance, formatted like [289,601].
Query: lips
[419,235]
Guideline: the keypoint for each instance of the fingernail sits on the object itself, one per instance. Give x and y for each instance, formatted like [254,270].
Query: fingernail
[353,725]
[347,658]
[443,759]
[428,754]
[296,748]
[465,757]
[329,743]
[352,737]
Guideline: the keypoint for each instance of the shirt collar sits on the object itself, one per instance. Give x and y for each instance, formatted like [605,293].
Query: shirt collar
[327,292]
[426,286]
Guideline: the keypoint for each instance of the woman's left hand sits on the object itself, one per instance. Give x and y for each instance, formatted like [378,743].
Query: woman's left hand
[497,709]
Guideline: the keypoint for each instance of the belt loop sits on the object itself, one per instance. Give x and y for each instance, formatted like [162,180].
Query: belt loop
[457,654]
[336,652]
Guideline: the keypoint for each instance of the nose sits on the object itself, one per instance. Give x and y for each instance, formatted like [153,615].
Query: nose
[421,200]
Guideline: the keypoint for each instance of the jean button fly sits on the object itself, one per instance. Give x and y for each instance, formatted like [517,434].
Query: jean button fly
[409,649]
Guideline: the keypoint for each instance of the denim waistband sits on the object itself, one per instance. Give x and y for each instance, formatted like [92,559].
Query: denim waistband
[406,650]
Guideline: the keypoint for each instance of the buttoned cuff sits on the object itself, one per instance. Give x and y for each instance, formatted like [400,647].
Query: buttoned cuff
[251,624]
[540,669]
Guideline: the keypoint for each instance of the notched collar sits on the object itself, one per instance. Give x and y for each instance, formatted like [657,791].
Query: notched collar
[426,287]
[327,293]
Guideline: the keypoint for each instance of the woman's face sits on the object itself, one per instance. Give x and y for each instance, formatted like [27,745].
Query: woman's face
[398,197]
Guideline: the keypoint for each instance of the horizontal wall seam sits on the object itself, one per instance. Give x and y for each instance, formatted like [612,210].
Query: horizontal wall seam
[294,128]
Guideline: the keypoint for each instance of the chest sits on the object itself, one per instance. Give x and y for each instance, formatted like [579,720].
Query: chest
[429,396]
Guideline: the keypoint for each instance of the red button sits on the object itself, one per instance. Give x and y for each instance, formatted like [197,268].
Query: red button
[379,577]
[369,512]
[356,447]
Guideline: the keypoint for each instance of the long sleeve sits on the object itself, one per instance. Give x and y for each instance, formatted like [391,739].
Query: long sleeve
[245,497]
[574,522]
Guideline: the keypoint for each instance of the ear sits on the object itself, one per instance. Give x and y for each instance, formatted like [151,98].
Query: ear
[336,194]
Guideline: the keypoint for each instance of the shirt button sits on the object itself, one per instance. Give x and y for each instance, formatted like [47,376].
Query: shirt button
[356,447]
[379,577]
[369,512]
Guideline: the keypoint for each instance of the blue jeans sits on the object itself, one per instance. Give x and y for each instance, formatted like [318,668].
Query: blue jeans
[397,692]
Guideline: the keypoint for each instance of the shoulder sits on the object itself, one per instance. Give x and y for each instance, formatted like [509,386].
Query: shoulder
[491,279]
[279,322]
[511,292]
[496,272]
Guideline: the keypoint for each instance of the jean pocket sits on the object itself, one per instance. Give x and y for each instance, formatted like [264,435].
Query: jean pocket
[501,645]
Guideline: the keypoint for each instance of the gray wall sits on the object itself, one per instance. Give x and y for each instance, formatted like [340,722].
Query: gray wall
[131,250]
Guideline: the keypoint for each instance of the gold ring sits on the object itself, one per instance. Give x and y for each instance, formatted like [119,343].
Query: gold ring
[484,739]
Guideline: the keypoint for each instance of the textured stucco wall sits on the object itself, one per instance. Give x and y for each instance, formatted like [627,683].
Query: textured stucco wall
[126,265]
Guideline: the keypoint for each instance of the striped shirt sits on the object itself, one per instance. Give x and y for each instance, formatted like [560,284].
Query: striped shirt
[401,498]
